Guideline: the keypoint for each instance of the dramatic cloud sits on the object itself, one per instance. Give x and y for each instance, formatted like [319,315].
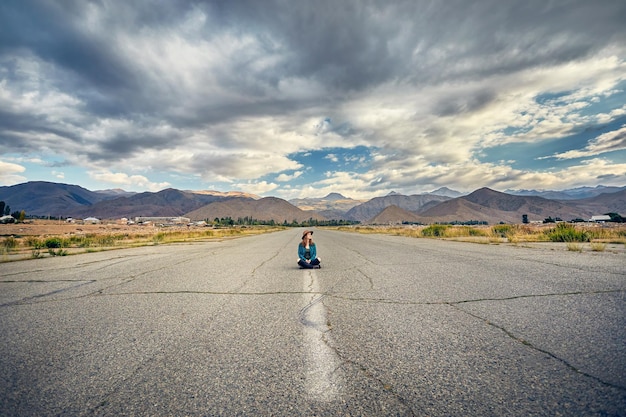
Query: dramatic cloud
[607,142]
[357,97]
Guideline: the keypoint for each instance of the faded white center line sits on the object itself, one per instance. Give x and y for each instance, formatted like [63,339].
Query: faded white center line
[323,380]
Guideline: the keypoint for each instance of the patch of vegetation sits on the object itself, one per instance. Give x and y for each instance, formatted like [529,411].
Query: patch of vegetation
[503,230]
[565,232]
[36,246]
[9,243]
[53,243]
[574,247]
[598,246]
[514,233]
[435,230]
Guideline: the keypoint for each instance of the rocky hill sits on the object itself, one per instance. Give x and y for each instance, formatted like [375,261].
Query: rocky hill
[333,206]
[413,203]
[493,207]
[169,202]
[610,202]
[42,198]
[268,208]
[394,215]
[446,192]
[570,194]
[225,193]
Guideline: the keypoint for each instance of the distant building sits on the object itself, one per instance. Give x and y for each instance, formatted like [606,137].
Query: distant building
[91,220]
[7,219]
[163,220]
[600,219]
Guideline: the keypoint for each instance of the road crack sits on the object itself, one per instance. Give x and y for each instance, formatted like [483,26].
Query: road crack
[530,345]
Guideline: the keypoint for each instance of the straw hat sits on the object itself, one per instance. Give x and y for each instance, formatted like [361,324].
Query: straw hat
[305,233]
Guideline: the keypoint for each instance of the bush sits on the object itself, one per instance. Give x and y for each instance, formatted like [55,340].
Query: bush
[476,232]
[53,242]
[435,230]
[34,242]
[574,247]
[9,243]
[567,233]
[502,230]
[598,246]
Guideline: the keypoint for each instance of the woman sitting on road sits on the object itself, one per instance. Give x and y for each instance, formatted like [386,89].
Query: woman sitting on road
[307,253]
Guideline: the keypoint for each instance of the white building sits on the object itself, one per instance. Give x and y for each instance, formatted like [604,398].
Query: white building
[600,219]
[163,220]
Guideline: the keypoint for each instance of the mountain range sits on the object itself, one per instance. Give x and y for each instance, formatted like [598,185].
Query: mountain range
[39,198]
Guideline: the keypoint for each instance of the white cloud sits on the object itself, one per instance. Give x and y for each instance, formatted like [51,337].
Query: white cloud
[9,173]
[607,142]
[285,178]
[257,187]
[125,180]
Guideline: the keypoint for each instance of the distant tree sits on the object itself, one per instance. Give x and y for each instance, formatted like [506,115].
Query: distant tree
[616,218]
[2,204]
[525,218]
[16,215]
[7,210]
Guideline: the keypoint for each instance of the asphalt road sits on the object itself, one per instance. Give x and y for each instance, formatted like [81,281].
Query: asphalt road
[388,326]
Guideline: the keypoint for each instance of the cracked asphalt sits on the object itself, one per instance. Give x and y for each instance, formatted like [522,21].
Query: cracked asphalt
[389,326]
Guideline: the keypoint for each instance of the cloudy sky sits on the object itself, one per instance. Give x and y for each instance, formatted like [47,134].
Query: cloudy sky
[302,98]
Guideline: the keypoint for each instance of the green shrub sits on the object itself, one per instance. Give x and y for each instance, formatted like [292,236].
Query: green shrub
[53,242]
[105,240]
[567,233]
[476,232]
[435,230]
[502,230]
[33,242]
[159,237]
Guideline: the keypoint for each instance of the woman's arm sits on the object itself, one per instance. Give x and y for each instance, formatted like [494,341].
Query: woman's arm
[313,252]
[301,253]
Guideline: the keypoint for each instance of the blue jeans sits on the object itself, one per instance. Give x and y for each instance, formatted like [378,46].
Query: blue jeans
[313,264]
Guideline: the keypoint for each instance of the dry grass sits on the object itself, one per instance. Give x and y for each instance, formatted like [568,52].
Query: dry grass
[44,238]
[597,235]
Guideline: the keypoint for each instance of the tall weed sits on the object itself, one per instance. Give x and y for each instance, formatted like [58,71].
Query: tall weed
[568,233]
[435,230]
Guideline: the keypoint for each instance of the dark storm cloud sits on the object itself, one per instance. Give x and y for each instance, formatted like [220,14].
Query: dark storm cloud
[50,32]
[355,44]
[346,45]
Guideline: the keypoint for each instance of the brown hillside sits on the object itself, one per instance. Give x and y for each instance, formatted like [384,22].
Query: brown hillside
[603,203]
[394,215]
[225,193]
[494,207]
[168,202]
[268,208]
[460,209]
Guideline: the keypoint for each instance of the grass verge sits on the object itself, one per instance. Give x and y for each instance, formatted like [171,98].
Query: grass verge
[33,247]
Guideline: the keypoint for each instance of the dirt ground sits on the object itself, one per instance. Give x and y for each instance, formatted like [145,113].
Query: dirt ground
[60,228]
